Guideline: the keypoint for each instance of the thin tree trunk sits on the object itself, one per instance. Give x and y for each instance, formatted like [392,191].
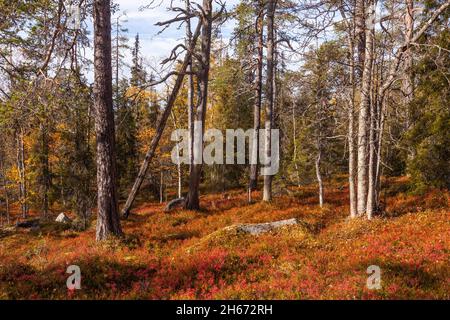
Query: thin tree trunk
[160,128]
[319,175]
[257,103]
[267,194]
[179,169]
[364,112]
[108,222]
[352,156]
[190,90]
[408,78]
[45,169]
[22,176]
[360,35]
[192,199]
[379,150]
[294,133]
[161,186]
[408,75]
[371,196]
[5,189]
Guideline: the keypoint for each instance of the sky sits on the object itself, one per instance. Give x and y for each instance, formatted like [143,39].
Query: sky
[154,46]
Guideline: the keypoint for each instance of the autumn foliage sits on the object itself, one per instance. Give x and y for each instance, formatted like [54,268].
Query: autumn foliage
[189,255]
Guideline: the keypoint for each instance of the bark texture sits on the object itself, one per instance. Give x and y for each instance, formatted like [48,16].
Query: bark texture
[108,222]
[271,5]
[192,199]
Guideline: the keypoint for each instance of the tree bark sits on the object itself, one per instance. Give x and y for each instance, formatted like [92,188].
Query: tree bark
[360,35]
[294,133]
[257,103]
[108,222]
[319,176]
[408,79]
[45,182]
[352,165]
[271,6]
[192,199]
[190,90]
[22,176]
[5,189]
[364,112]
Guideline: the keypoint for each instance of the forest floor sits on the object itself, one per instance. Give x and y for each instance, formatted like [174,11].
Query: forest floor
[188,255]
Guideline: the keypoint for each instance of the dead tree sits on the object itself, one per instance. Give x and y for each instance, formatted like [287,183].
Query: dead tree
[259,28]
[163,119]
[192,199]
[271,6]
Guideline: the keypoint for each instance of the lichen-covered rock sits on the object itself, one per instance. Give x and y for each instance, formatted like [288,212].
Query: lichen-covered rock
[62,218]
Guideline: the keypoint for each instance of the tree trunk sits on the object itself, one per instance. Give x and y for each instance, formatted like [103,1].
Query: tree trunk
[408,75]
[108,223]
[5,189]
[267,194]
[257,103]
[161,186]
[45,179]
[294,133]
[373,143]
[408,78]
[371,201]
[179,169]
[380,121]
[192,199]
[190,91]
[352,166]
[360,35]
[364,110]
[319,175]
[160,127]
[22,176]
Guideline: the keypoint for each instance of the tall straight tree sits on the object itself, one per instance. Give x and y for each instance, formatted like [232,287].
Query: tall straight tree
[192,200]
[352,165]
[258,95]
[363,121]
[268,124]
[371,136]
[108,222]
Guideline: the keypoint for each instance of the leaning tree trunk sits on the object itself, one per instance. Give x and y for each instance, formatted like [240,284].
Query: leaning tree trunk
[160,128]
[108,222]
[364,110]
[267,194]
[257,103]
[192,199]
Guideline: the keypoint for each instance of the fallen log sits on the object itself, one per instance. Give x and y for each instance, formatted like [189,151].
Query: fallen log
[174,204]
[28,224]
